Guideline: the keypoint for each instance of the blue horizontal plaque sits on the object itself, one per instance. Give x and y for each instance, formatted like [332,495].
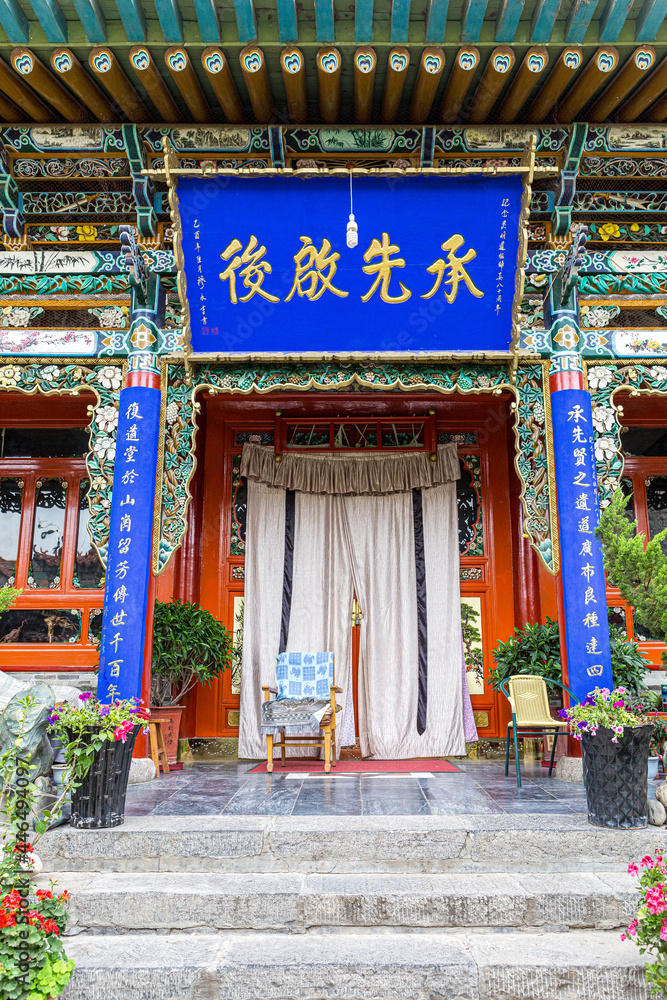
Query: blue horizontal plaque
[268,268]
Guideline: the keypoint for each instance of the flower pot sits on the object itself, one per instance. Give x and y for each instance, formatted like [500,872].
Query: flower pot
[58,775]
[170,717]
[653,768]
[615,775]
[58,751]
[99,801]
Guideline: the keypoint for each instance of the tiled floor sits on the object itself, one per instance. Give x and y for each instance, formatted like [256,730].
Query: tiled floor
[481,787]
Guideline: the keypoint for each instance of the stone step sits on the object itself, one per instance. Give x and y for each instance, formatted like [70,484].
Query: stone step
[580,965]
[168,902]
[329,844]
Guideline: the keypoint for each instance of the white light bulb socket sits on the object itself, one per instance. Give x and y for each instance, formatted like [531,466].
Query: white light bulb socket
[352,233]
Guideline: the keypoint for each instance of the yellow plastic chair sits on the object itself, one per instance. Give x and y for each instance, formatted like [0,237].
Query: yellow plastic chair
[529,701]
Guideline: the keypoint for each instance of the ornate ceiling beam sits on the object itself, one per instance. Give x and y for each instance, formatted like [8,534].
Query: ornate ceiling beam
[648,92]
[45,83]
[92,19]
[508,20]
[623,83]
[246,21]
[400,22]
[567,64]
[52,20]
[9,111]
[14,87]
[328,78]
[171,20]
[472,20]
[293,68]
[428,77]
[394,82]
[219,76]
[544,18]
[580,17]
[595,73]
[649,20]
[132,15]
[464,68]
[613,18]
[104,64]
[288,28]
[149,75]
[525,79]
[365,64]
[495,76]
[253,67]
[208,20]
[324,21]
[181,69]
[436,21]
[65,63]
[14,22]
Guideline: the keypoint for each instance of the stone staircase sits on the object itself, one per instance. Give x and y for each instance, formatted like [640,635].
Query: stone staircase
[350,908]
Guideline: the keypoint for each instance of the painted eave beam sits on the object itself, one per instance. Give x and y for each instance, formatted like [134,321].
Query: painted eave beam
[171,22]
[436,20]
[287,22]
[209,23]
[544,18]
[613,18]
[400,22]
[14,21]
[324,21]
[649,21]
[580,18]
[245,20]
[51,19]
[473,18]
[132,15]
[363,22]
[92,19]
[508,20]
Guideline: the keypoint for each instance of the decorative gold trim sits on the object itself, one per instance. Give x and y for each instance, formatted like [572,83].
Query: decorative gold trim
[528,168]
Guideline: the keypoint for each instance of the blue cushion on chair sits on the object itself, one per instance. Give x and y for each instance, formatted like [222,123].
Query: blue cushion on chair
[304,675]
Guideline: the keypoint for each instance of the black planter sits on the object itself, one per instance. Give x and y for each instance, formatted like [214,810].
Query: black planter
[616,777]
[99,801]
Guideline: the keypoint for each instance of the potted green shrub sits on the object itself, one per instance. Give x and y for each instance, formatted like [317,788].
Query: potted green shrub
[190,646]
[615,746]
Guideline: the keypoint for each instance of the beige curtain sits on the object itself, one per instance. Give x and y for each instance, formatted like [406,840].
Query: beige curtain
[346,542]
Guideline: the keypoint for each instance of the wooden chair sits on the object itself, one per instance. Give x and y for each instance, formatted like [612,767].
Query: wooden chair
[158,748]
[531,716]
[292,686]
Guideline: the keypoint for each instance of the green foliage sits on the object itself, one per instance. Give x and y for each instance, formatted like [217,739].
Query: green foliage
[471,637]
[33,963]
[84,726]
[639,573]
[8,597]
[535,649]
[190,647]
[649,928]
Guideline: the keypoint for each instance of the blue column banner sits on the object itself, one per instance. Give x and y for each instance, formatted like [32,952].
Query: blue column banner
[584,591]
[268,268]
[130,545]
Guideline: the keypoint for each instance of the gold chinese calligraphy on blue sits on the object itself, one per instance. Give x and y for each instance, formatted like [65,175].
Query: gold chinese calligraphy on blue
[268,269]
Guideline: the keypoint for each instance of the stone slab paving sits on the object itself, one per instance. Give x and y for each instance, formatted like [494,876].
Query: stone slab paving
[169,902]
[392,844]
[581,965]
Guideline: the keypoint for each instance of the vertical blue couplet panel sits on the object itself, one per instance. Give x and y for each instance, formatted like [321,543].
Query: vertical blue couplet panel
[268,268]
[584,592]
[130,545]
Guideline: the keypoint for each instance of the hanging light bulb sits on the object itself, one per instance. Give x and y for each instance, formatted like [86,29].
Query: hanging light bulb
[352,233]
[352,237]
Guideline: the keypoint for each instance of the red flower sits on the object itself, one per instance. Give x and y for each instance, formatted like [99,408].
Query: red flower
[64,895]
[44,894]
[647,861]
[50,927]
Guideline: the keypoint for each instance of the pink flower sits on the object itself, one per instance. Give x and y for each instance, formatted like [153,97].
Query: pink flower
[663,931]
[655,900]
[632,869]
[618,704]
[632,929]
[121,732]
[646,862]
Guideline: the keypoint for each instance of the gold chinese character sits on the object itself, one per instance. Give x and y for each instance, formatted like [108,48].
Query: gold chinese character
[253,273]
[383,270]
[310,265]
[457,271]
[119,618]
